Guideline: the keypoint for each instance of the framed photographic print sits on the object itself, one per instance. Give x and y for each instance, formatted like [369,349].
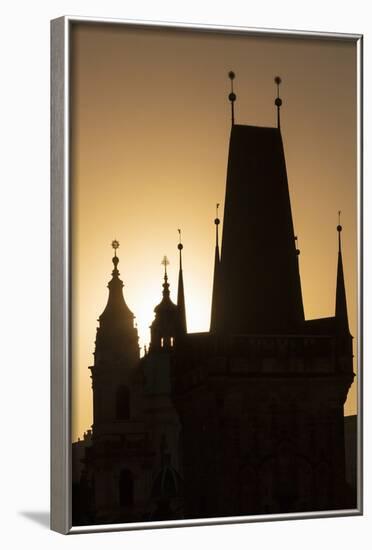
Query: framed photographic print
[206,275]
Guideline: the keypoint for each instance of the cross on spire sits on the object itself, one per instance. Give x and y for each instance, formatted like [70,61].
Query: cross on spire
[165,262]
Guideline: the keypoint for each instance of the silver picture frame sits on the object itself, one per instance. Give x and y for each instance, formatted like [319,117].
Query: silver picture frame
[61,519]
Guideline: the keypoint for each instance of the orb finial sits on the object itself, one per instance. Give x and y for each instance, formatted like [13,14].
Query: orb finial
[115,245]
[232,96]
[278,101]
[217,219]
[217,223]
[180,245]
[115,260]
[339,229]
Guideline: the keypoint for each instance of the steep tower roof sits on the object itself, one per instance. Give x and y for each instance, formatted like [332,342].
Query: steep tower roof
[117,338]
[116,310]
[260,289]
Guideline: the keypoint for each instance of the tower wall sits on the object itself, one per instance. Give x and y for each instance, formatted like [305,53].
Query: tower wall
[262,429]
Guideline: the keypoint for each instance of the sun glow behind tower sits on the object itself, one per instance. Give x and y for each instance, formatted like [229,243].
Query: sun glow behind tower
[147,162]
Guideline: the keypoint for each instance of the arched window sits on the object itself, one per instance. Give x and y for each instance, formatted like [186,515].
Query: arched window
[123,403]
[126,492]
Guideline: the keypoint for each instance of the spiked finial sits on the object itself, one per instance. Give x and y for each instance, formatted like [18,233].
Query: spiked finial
[217,222]
[297,249]
[232,96]
[278,101]
[180,290]
[180,246]
[339,226]
[339,229]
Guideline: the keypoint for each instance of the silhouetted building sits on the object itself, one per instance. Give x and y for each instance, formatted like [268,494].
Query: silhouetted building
[82,494]
[131,466]
[261,395]
[246,418]
[351,440]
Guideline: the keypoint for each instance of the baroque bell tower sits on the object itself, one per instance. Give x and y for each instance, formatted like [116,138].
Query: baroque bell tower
[116,354]
[116,408]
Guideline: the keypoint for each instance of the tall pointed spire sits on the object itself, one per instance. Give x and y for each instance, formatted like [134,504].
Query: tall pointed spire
[181,292]
[232,97]
[278,101]
[341,304]
[216,278]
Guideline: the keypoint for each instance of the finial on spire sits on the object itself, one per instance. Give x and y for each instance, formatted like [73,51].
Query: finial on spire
[180,290]
[341,305]
[115,260]
[339,229]
[232,96]
[180,246]
[217,222]
[115,245]
[165,262]
[278,101]
[297,249]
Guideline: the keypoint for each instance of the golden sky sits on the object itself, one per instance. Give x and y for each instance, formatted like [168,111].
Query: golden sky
[150,125]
